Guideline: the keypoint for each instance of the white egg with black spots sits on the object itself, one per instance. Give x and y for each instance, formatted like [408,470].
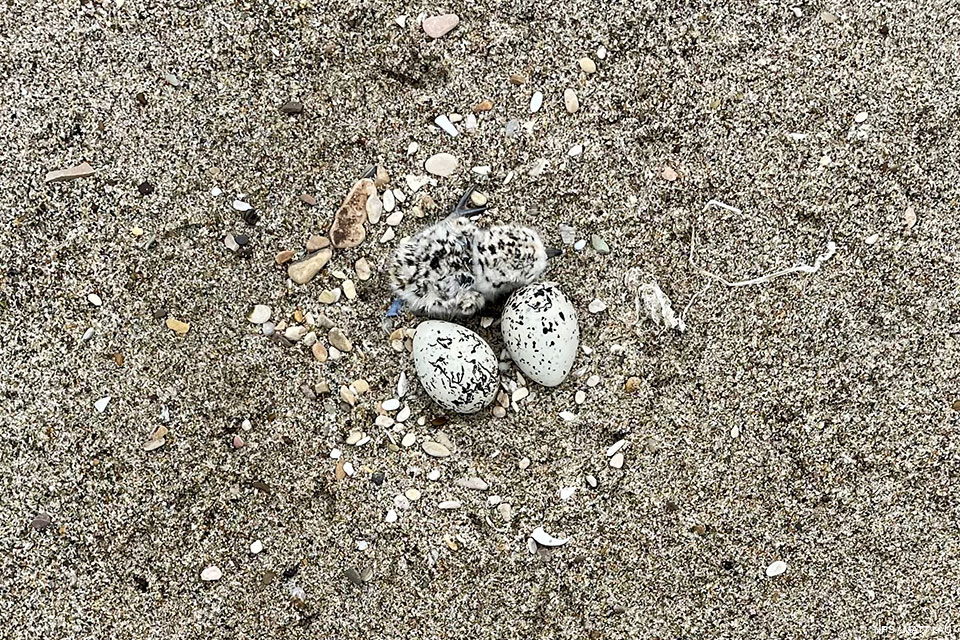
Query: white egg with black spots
[540,332]
[455,366]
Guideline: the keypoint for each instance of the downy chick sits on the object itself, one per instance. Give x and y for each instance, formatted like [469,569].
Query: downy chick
[453,268]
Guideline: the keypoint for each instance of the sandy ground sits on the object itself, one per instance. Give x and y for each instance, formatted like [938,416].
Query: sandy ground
[810,420]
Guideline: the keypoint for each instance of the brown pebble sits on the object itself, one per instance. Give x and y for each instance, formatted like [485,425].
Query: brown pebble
[485,105]
[633,383]
[381,178]
[283,257]
[347,230]
[518,78]
[319,352]
[82,170]
[339,340]
[308,199]
[668,174]
[178,327]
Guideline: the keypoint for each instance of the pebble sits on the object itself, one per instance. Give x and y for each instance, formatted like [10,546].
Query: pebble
[292,107]
[283,257]
[568,234]
[335,353]
[575,150]
[391,516]
[256,547]
[94,299]
[349,289]
[412,148]
[505,511]
[319,352]
[441,164]
[434,475]
[348,469]
[617,460]
[82,170]
[348,396]
[362,269]
[303,272]
[632,384]
[592,481]
[580,397]
[404,414]
[87,334]
[339,340]
[444,123]
[536,102]
[317,242]
[470,122]
[347,230]
[389,201]
[860,117]
[599,244]
[384,421]
[42,521]
[260,314]
[403,385]
[776,568]
[211,574]
[388,235]
[242,206]
[570,100]
[494,500]
[524,463]
[354,437]
[580,245]
[230,243]
[295,333]
[238,442]
[308,199]
[668,174]
[499,412]
[567,492]
[545,539]
[872,239]
[450,504]
[483,105]
[568,416]
[520,394]
[335,454]
[435,449]
[477,484]
[353,576]
[518,79]
[391,405]
[439,26]
[597,306]
[101,404]
[408,440]
[327,297]
[588,65]
[412,494]
[615,447]
[601,52]
[395,218]
[593,381]
[362,545]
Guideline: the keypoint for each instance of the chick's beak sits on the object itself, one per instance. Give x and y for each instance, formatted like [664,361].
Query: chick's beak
[552,252]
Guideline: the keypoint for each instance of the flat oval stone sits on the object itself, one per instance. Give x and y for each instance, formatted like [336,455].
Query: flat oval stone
[441,164]
[435,449]
[439,26]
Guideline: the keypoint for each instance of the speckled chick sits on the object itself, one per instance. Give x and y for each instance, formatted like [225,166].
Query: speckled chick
[452,269]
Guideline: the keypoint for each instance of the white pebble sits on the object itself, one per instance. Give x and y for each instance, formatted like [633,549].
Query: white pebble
[413,148]
[593,381]
[567,492]
[101,404]
[389,201]
[391,405]
[580,397]
[569,416]
[524,463]
[601,52]
[391,516]
[362,545]
[403,414]
[335,454]
[444,123]
[470,123]
[860,117]
[87,334]
[240,205]
[776,568]
[580,245]
[575,150]
[617,460]
[450,504]
[536,102]
[94,299]
[597,305]
[592,481]
[211,574]
[434,475]
[616,446]
[256,547]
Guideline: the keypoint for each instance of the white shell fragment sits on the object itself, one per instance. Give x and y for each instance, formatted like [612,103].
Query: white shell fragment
[536,102]
[776,568]
[101,404]
[597,305]
[455,366]
[444,123]
[546,540]
[441,164]
[211,574]
[541,333]
[659,308]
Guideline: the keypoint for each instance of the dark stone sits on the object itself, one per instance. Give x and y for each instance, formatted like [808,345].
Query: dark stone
[142,98]
[354,576]
[291,108]
[142,583]
[146,188]
[241,239]
[727,565]
[245,251]
[378,478]
[42,521]
[291,571]
[160,314]
[251,217]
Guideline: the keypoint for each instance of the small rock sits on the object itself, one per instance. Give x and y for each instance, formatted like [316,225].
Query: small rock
[587,65]
[381,178]
[632,384]
[570,101]
[592,481]
[172,80]
[362,269]
[580,397]
[42,521]
[292,107]
[617,460]
[444,123]
[575,150]
[388,235]
[391,405]
[412,494]
[483,105]
[408,440]
[211,574]
[87,334]
[283,257]
[353,576]
[339,340]
[505,511]
[668,174]
[389,201]
[316,242]
[828,17]
[308,199]
[347,230]
[536,102]
[524,463]
[238,442]
[435,449]
[295,333]
[146,188]
[599,244]
[230,243]
[256,547]
[303,272]
[776,568]
[860,118]
[395,218]
[439,26]
[178,327]
[82,170]
[518,79]
[477,484]
[319,352]
[441,164]
[242,206]
[597,306]
[391,516]
[260,314]
[94,299]
[449,504]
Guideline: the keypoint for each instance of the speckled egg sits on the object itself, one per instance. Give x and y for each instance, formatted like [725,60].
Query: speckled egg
[455,366]
[541,333]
